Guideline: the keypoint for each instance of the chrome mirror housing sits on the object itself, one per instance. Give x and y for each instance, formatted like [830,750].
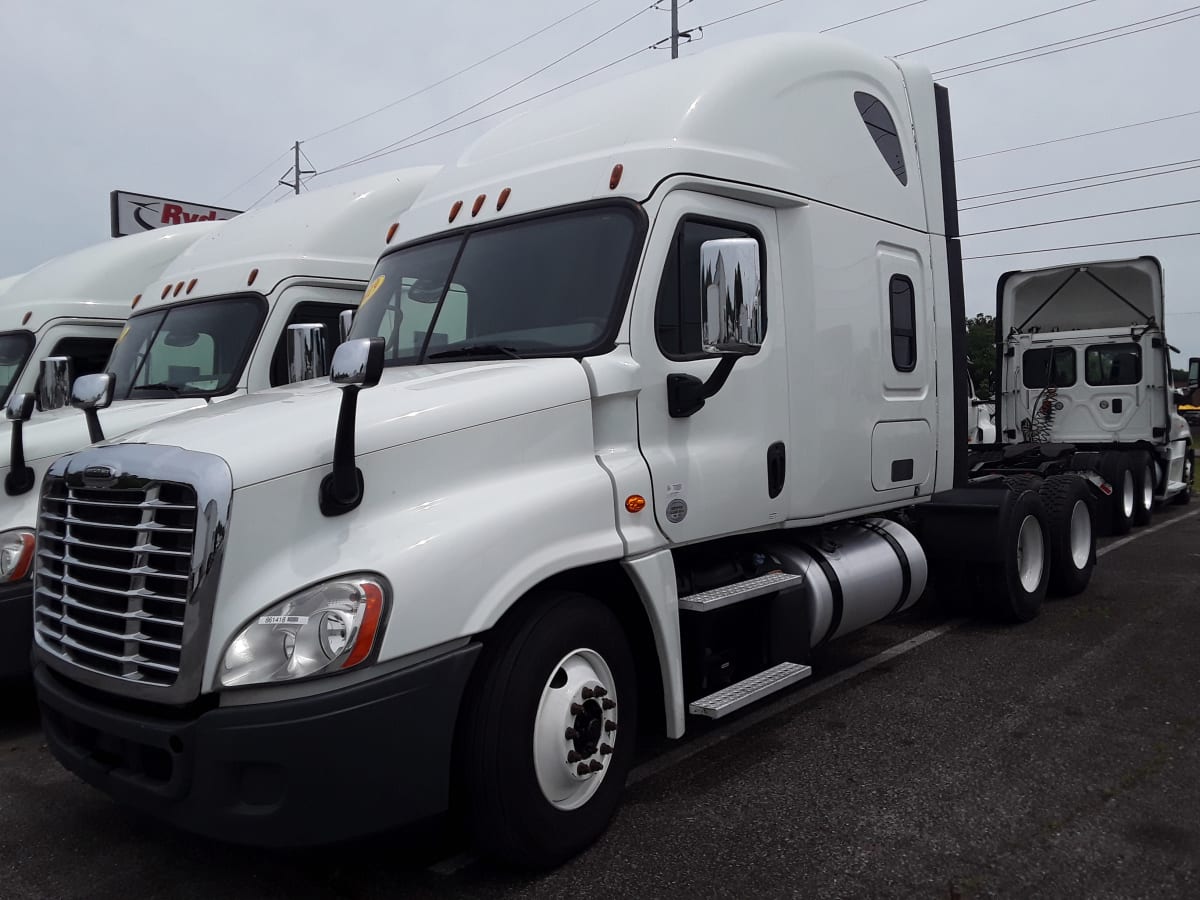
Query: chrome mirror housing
[54,385]
[731,308]
[93,391]
[306,352]
[345,323]
[19,407]
[358,362]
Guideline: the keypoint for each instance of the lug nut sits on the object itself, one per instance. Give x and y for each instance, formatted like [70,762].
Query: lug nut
[587,693]
[571,734]
[573,757]
[599,692]
[608,704]
[610,727]
[596,765]
[582,769]
[576,709]
[605,750]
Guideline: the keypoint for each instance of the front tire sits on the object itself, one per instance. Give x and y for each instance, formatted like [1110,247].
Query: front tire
[1143,510]
[1189,469]
[549,731]
[1070,510]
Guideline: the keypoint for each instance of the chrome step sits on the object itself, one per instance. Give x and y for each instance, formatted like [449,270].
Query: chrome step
[742,590]
[748,690]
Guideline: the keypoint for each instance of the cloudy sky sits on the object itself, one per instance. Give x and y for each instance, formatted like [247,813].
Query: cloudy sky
[191,100]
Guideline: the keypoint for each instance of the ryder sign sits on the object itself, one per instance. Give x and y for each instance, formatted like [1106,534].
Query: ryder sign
[134,213]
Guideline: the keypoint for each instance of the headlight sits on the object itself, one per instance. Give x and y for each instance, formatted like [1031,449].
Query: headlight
[16,555]
[326,628]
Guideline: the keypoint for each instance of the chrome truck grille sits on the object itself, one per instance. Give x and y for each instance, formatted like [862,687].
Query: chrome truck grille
[125,567]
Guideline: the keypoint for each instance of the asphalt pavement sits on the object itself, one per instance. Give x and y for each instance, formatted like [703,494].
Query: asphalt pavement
[930,757]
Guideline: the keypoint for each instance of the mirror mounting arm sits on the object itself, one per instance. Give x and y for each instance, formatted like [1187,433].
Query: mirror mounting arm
[686,394]
[356,365]
[20,478]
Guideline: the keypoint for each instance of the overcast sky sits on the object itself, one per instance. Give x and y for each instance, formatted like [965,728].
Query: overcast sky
[188,100]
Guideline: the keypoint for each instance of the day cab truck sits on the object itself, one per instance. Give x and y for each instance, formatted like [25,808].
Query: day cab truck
[1084,370]
[656,391]
[218,322]
[1189,400]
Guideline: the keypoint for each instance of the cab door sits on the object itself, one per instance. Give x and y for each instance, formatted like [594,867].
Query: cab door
[707,333]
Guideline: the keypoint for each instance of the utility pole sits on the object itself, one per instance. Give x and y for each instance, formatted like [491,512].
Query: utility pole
[674,29]
[295,185]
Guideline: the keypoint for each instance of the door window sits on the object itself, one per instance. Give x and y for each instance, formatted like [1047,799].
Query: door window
[308,312]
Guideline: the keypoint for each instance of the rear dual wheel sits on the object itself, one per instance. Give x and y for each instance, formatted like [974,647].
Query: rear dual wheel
[1070,511]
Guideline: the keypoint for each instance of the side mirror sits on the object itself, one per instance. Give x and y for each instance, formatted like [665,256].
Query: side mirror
[356,365]
[731,319]
[306,352]
[54,385]
[92,393]
[345,323]
[20,477]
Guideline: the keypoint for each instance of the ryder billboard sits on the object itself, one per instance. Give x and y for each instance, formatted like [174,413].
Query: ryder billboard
[134,213]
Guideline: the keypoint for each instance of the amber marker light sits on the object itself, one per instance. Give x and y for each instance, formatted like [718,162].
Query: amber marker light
[615,178]
[635,503]
[166,290]
[478,205]
[392,232]
[136,300]
[253,275]
[502,199]
[191,285]
[25,318]
[455,210]
[370,624]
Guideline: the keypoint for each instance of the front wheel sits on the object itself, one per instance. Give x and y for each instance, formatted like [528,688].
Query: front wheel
[1143,510]
[549,731]
[1189,471]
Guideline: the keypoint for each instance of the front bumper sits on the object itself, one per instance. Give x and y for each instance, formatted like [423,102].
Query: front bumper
[288,773]
[16,629]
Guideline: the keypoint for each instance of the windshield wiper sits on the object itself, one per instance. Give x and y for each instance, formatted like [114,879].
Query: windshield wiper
[160,386]
[476,350]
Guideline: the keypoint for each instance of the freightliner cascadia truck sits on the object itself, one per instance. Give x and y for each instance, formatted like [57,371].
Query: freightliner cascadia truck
[656,391]
[219,322]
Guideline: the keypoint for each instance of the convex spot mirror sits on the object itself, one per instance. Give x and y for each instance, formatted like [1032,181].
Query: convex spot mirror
[731,305]
[93,391]
[358,362]
[19,407]
[426,290]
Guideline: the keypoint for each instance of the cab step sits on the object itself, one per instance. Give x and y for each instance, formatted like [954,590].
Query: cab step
[749,690]
[739,591]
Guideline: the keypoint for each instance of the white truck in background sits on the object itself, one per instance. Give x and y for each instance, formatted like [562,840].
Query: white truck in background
[1084,375]
[658,390]
[215,324]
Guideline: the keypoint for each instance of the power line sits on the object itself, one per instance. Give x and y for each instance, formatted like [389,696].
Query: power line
[453,75]
[1072,137]
[1034,187]
[1140,240]
[1082,187]
[963,37]
[1116,212]
[404,141]
[268,192]
[511,106]
[257,174]
[746,12]
[942,76]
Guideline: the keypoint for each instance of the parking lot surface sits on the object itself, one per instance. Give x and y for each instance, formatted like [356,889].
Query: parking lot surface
[931,757]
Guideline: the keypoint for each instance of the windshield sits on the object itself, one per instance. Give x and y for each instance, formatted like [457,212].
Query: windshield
[187,350]
[15,347]
[551,286]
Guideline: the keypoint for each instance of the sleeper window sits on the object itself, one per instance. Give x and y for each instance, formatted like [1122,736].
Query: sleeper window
[882,128]
[903,309]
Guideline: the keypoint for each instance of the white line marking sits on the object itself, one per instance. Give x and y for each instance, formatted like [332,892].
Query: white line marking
[664,761]
[1145,531]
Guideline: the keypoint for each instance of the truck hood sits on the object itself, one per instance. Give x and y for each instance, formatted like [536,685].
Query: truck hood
[272,433]
[1107,294]
[51,434]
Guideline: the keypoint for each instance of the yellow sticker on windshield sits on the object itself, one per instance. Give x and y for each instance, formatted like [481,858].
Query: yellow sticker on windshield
[375,285]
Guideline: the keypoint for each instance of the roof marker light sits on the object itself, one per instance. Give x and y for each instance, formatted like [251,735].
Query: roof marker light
[478,205]
[391,232]
[253,275]
[178,288]
[502,199]
[136,300]
[25,318]
[191,285]
[615,178]
[166,290]
[454,210]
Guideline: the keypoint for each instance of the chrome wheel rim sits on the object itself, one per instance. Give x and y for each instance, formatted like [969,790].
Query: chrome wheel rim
[1081,534]
[1148,488]
[575,729]
[1031,554]
[1127,493]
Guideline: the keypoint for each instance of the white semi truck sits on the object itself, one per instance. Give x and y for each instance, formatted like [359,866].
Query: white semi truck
[658,390]
[215,324]
[1084,370]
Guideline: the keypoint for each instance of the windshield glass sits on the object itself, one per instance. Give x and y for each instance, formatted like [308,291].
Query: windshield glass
[186,350]
[15,347]
[552,286]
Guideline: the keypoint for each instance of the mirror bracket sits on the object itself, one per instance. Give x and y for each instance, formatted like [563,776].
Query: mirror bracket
[686,394]
[356,365]
[20,477]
